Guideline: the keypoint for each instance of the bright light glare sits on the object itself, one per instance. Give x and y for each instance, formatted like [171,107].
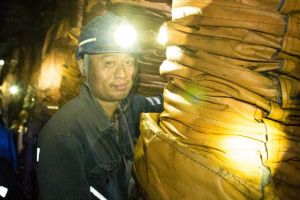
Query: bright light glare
[14,89]
[243,151]
[163,35]
[3,191]
[167,67]
[181,12]
[173,52]
[125,35]
[2,62]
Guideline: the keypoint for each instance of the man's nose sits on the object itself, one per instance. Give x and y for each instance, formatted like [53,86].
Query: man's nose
[120,71]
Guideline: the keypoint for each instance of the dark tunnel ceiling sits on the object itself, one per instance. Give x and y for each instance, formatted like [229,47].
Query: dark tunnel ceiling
[23,21]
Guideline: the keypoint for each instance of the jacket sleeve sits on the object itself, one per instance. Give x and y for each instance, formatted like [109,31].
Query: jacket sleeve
[60,170]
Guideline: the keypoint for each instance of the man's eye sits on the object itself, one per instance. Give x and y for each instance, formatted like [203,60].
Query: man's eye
[129,63]
[108,63]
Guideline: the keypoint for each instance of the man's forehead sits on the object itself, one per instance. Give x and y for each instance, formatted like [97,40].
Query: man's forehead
[116,55]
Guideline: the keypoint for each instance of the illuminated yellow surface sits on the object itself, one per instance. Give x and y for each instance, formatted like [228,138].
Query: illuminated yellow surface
[173,53]
[50,76]
[221,122]
[178,13]
[163,35]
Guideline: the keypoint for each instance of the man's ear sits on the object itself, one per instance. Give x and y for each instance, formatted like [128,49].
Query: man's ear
[80,66]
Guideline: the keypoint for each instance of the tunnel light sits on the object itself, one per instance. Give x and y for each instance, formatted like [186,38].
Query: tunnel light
[125,35]
[2,62]
[3,191]
[14,90]
[52,107]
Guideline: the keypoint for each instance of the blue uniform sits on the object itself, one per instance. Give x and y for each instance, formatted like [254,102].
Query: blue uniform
[7,146]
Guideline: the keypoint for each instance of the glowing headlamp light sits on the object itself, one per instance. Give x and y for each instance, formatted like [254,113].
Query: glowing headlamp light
[125,35]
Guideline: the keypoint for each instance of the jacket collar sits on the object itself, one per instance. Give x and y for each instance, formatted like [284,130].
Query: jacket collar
[102,122]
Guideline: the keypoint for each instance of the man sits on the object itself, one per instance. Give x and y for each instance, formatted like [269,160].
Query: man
[86,148]
[9,183]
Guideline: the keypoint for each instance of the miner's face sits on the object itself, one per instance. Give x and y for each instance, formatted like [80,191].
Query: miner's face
[111,75]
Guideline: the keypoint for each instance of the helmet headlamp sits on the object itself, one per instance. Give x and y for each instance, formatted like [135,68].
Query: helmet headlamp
[108,34]
[125,35]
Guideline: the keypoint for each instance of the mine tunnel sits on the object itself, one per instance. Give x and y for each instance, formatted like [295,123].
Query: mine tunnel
[150,99]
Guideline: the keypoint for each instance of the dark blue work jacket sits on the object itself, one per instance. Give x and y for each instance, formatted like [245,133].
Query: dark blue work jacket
[81,155]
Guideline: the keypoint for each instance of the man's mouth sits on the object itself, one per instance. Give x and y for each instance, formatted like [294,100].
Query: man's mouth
[121,86]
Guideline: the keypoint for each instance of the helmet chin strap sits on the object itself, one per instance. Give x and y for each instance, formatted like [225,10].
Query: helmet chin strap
[86,65]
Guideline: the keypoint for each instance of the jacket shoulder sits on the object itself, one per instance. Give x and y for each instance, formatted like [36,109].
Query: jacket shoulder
[65,118]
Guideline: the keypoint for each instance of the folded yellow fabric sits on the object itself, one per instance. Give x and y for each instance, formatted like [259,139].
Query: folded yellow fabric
[169,169]
[290,6]
[284,6]
[221,46]
[194,79]
[250,79]
[231,104]
[290,67]
[290,89]
[220,13]
[239,34]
